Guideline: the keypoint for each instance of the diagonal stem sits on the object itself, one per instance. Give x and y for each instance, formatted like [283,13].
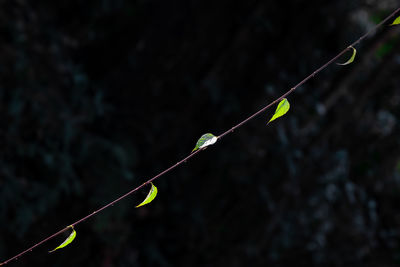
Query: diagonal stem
[312,74]
[197,151]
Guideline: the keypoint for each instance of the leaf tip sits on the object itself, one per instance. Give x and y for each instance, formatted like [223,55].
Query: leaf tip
[395,22]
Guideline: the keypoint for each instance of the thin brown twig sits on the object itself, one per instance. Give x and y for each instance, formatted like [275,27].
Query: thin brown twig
[219,137]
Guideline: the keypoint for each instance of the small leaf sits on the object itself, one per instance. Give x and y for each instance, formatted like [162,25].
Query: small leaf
[281,110]
[205,140]
[150,196]
[396,21]
[351,59]
[67,241]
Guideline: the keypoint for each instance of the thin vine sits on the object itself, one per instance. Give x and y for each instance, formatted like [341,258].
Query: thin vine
[206,140]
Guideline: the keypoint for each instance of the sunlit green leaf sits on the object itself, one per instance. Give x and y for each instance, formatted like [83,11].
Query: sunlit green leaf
[281,110]
[351,59]
[67,241]
[205,140]
[396,21]
[150,196]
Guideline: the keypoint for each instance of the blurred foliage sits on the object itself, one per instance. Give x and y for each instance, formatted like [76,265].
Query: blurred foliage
[96,96]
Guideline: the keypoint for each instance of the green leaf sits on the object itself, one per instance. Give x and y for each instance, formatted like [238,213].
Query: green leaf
[150,196]
[351,59]
[205,140]
[396,21]
[67,241]
[281,110]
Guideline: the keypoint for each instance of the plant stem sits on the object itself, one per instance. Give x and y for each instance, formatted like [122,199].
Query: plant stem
[219,137]
[311,75]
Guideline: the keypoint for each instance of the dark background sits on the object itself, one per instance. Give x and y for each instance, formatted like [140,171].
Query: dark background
[97,96]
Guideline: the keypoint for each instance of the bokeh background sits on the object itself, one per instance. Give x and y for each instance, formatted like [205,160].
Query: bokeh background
[97,96]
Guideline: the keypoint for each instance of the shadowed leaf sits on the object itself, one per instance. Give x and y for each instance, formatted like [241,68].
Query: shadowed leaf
[351,59]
